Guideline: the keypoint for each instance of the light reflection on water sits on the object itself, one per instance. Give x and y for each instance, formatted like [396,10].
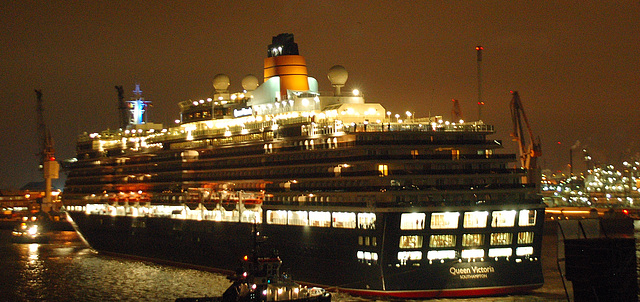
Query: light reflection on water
[67,270]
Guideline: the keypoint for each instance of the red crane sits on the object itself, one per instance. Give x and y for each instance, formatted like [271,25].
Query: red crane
[528,148]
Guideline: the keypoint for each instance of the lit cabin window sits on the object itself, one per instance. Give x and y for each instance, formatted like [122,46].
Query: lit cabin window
[251,216]
[276,217]
[472,239]
[443,254]
[412,221]
[525,237]
[475,219]
[383,170]
[442,241]
[500,252]
[473,253]
[503,218]
[344,220]
[367,257]
[524,251]
[367,221]
[410,242]
[320,219]
[527,218]
[298,218]
[501,238]
[447,220]
[409,255]
[455,154]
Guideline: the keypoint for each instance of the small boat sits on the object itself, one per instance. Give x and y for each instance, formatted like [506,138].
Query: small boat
[30,231]
[260,280]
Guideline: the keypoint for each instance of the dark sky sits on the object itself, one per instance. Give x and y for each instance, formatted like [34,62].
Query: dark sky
[576,64]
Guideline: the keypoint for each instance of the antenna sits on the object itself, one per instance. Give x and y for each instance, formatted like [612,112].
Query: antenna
[480,102]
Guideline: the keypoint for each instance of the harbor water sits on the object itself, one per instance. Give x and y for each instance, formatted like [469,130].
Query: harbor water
[66,269]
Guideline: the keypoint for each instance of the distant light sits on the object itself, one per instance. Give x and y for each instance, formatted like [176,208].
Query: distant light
[356,92]
[177,121]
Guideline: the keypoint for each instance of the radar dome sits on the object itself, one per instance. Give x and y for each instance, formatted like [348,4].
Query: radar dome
[337,75]
[221,82]
[250,82]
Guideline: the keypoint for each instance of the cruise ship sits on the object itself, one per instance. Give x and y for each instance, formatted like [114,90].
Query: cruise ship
[353,198]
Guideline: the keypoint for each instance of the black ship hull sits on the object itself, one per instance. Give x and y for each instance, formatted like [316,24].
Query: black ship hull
[317,256]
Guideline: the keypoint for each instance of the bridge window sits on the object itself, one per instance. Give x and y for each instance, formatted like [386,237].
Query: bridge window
[475,219]
[446,220]
[527,218]
[503,218]
[412,221]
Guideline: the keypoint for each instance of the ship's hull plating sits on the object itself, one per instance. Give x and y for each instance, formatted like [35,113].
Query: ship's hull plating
[312,255]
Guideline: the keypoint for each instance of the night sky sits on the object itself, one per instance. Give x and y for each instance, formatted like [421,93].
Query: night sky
[576,64]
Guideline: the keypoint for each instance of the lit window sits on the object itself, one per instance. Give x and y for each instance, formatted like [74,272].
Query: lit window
[447,220]
[384,170]
[500,252]
[527,218]
[442,241]
[412,255]
[524,250]
[501,238]
[320,219]
[472,239]
[410,242]
[445,254]
[474,253]
[367,221]
[525,237]
[344,220]
[298,218]
[455,154]
[276,217]
[412,221]
[503,218]
[475,219]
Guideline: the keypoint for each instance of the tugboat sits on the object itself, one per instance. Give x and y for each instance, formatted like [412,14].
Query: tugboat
[260,280]
[29,231]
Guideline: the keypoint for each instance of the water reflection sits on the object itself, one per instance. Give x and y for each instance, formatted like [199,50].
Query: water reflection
[67,270]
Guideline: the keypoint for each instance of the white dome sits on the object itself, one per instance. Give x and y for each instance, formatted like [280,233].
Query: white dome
[338,75]
[221,82]
[250,82]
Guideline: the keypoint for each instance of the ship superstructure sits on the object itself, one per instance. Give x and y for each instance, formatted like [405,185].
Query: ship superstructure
[351,197]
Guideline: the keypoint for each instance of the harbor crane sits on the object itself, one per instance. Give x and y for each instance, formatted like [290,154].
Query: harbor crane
[456,112]
[529,149]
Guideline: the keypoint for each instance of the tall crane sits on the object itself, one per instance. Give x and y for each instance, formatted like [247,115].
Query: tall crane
[50,166]
[456,112]
[528,148]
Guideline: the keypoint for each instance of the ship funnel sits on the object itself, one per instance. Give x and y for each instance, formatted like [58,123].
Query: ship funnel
[338,77]
[285,63]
